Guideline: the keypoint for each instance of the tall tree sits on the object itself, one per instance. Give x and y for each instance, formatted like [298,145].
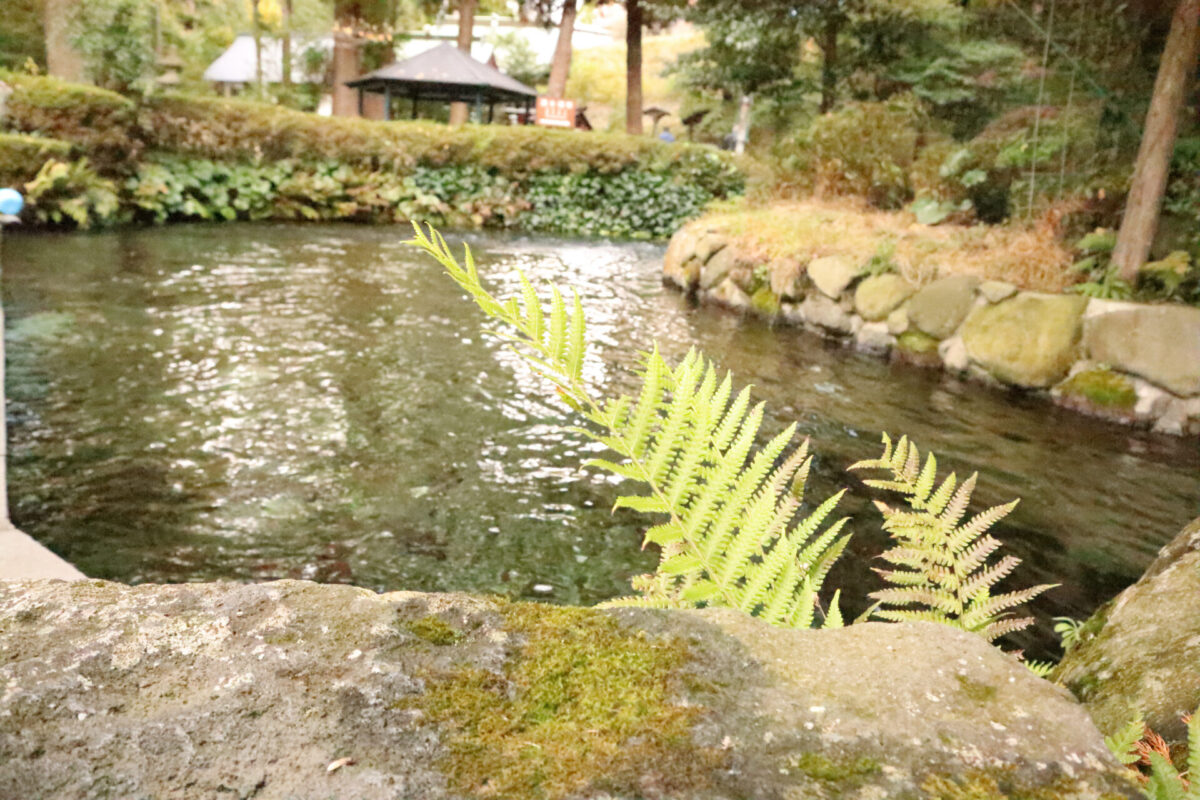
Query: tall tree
[1149,181]
[633,67]
[62,59]
[346,58]
[285,45]
[459,112]
[560,66]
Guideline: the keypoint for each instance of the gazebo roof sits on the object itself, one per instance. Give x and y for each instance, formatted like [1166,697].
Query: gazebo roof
[444,73]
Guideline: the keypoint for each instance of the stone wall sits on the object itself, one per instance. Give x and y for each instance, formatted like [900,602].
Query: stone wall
[1131,362]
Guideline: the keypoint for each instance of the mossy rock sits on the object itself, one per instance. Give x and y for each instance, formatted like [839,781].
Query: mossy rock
[294,689]
[917,347]
[1140,654]
[879,295]
[1029,340]
[939,308]
[764,301]
[1100,390]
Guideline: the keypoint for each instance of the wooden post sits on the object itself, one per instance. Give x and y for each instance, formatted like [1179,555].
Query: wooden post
[387,102]
[414,105]
[1149,182]
[360,101]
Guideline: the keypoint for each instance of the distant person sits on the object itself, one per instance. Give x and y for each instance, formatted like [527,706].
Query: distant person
[666,135]
[729,141]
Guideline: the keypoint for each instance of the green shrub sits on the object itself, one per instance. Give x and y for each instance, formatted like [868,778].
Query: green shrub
[241,130]
[98,121]
[71,193]
[628,204]
[632,203]
[22,156]
[867,149]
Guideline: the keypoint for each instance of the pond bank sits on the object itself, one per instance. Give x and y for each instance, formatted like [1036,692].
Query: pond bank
[1130,362]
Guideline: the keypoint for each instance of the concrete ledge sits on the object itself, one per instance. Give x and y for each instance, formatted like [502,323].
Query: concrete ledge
[23,558]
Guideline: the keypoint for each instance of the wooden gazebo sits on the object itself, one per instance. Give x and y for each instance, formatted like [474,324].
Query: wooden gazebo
[444,74]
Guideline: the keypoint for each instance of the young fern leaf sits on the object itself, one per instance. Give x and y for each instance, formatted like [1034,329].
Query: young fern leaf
[731,532]
[941,571]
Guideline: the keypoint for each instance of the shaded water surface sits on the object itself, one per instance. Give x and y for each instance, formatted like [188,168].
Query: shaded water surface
[254,402]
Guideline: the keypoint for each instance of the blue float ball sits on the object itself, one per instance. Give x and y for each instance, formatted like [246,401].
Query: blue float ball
[11,202]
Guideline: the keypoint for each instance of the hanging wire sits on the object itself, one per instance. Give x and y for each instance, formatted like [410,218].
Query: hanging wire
[1037,119]
[1062,164]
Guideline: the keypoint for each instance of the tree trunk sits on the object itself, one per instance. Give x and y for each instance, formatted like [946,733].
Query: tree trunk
[459,112]
[633,67]
[743,132]
[62,60]
[345,68]
[560,66]
[285,54]
[829,55]
[256,14]
[1149,180]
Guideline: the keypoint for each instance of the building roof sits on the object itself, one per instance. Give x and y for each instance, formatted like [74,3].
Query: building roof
[237,63]
[444,73]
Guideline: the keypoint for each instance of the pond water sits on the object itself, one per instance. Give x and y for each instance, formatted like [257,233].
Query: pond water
[256,402]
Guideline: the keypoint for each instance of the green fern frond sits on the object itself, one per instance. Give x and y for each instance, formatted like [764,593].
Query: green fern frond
[1040,668]
[730,529]
[1193,761]
[1123,743]
[943,572]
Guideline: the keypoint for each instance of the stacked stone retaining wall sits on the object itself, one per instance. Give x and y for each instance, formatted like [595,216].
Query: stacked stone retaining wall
[1131,362]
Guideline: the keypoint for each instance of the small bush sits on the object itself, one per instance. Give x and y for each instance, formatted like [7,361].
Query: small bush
[71,193]
[98,121]
[867,149]
[22,156]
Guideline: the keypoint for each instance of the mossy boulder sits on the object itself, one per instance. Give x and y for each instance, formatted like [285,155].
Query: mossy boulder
[1140,653]
[1160,343]
[939,308]
[680,265]
[294,689]
[1028,340]
[919,348]
[880,295]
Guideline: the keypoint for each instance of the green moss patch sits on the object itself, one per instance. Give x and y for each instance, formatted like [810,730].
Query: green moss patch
[1101,388]
[848,773]
[765,301]
[979,692]
[433,630]
[917,343]
[584,705]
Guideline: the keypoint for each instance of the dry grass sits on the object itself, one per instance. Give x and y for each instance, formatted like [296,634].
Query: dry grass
[1030,257]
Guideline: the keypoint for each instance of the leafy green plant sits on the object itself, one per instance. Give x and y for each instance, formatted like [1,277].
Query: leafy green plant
[1102,281]
[729,532]
[1145,752]
[1070,632]
[1172,278]
[882,261]
[941,571]
[71,192]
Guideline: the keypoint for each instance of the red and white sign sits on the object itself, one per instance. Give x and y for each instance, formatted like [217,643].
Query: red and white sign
[555,113]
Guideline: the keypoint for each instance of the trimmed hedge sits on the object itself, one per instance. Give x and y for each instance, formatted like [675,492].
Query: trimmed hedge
[97,120]
[239,130]
[182,157]
[21,156]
